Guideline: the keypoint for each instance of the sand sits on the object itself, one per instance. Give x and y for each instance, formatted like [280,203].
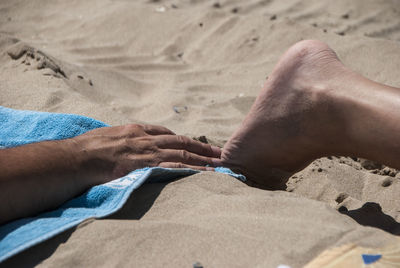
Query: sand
[196,67]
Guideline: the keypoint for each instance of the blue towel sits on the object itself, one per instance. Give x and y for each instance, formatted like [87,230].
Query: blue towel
[22,127]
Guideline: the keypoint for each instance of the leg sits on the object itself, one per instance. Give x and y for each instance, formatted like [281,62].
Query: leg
[313,106]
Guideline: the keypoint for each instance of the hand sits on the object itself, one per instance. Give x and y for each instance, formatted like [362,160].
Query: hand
[112,152]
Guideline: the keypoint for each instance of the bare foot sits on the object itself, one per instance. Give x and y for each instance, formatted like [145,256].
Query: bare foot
[292,121]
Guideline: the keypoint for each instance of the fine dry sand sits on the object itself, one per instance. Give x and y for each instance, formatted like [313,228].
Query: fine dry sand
[196,67]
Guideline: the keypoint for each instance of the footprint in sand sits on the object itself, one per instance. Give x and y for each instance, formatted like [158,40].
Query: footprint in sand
[54,99]
[35,58]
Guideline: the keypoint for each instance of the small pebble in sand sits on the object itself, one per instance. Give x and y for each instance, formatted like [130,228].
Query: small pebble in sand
[161,9]
[90,82]
[197,265]
[387,182]
[174,6]
[201,24]
[80,76]
[235,10]
[273,17]
[389,171]
[217,5]
[345,16]
[179,109]
[203,139]
[341,197]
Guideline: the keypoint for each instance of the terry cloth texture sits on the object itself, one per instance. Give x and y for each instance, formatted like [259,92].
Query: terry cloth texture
[23,127]
[351,255]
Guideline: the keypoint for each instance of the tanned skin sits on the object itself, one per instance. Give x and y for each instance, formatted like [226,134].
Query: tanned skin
[313,106]
[42,176]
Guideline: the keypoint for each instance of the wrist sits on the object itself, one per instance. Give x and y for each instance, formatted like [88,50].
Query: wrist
[90,164]
[77,157]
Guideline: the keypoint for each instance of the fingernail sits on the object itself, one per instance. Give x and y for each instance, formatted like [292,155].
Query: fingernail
[216,150]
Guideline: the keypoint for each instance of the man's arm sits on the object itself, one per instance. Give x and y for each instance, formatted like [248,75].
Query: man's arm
[37,176]
[44,175]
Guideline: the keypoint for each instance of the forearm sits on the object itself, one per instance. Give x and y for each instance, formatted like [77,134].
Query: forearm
[38,177]
[44,175]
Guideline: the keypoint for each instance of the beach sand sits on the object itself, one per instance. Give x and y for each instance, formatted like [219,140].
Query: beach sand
[196,67]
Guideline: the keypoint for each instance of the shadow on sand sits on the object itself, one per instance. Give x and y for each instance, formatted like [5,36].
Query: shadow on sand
[371,214]
[137,205]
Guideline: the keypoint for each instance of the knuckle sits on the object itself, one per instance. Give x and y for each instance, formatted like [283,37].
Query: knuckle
[207,148]
[179,165]
[148,145]
[184,154]
[141,126]
[134,127]
[147,127]
[131,127]
[156,156]
[145,141]
[183,140]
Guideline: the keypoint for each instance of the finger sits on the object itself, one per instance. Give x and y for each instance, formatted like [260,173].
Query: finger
[184,143]
[157,130]
[186,157]
[180,165]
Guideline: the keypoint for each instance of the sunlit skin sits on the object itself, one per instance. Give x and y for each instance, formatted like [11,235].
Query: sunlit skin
[44,175]
[313,106]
